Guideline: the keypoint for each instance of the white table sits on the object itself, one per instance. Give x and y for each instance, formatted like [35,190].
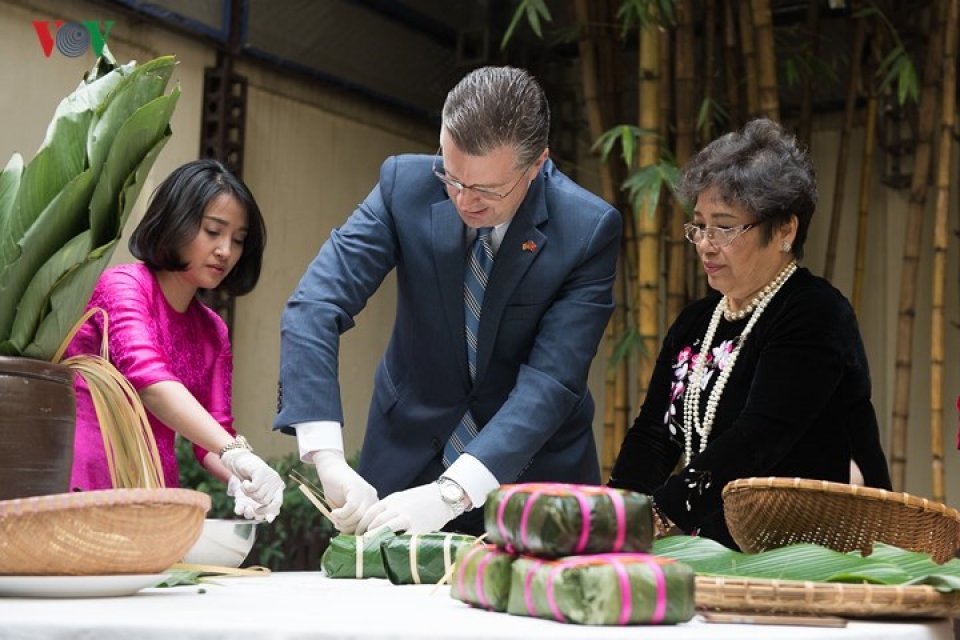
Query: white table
[292,606]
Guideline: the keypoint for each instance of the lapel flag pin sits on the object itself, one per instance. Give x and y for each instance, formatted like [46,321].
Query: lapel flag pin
[529,245]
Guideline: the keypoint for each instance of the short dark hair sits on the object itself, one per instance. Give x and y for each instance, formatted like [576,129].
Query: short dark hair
[761,168]
[174,215]
[493,107]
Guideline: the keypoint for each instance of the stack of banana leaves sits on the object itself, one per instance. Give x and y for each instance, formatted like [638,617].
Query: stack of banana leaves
[886,565]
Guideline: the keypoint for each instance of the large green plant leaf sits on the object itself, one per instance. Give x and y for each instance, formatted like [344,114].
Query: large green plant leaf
[36,299]
[37,224]
[144,84]
[61,157]
[61,303]
[63,218]
[58,231]
[135,137]
[9,183]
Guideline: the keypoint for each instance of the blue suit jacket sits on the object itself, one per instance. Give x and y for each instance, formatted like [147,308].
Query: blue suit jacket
[547,302]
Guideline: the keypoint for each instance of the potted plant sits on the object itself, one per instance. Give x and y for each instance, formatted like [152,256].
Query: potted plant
[61,216]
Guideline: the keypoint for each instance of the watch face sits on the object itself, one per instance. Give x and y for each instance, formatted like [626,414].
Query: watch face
[451,492]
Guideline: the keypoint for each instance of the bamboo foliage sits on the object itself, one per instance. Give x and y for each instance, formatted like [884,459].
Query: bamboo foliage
[913,234]
[940,236]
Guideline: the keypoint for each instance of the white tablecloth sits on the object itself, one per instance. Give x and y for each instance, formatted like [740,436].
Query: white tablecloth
[308,605]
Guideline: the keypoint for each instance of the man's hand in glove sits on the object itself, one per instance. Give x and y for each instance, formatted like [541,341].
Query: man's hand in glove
[348,494]
[417,510]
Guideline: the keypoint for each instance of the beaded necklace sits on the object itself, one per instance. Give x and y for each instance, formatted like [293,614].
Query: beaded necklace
[691,399]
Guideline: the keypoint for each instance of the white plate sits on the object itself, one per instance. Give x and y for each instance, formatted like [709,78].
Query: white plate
[76,586]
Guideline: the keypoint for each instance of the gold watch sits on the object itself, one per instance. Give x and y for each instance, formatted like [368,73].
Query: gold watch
[238,443]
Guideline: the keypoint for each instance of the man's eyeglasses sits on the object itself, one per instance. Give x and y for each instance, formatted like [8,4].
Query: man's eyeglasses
[719,237]
[487,194]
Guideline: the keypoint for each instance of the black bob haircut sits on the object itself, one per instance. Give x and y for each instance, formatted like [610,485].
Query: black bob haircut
[174,215]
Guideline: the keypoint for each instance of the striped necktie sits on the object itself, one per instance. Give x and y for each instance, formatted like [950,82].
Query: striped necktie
[479,264]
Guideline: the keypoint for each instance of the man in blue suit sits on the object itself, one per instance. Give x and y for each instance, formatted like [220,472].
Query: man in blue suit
[505,271]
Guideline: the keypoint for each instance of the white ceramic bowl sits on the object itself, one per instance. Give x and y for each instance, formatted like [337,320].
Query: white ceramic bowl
[223,543]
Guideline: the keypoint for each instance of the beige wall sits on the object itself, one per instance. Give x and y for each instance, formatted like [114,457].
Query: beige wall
[312,154]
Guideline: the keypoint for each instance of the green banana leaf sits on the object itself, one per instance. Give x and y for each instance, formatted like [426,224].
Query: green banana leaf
[35,303]
[61,215]
[143,85]
[136,136]
[32,231]
[886,565]
[61,156]
[63,302]
[9,183]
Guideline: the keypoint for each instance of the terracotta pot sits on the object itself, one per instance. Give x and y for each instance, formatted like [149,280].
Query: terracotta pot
[38,413]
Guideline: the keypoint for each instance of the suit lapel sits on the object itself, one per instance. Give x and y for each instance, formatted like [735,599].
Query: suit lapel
[449,251]
[519,249]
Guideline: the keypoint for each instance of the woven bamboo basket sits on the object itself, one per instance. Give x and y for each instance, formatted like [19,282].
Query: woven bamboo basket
[767,513]
[796,597]
[115,531]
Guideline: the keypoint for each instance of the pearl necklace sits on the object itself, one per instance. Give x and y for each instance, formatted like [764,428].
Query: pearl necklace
[691,399]
[769,290]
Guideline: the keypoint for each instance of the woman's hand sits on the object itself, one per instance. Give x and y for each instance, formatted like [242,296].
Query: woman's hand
[258,481]
[247,507]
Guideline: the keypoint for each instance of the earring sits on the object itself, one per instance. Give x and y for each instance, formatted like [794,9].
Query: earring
[785,246]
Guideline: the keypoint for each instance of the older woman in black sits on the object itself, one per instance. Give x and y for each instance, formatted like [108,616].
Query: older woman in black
[767,375]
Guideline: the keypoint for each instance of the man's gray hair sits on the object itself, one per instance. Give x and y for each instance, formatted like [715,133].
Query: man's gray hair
[494,107]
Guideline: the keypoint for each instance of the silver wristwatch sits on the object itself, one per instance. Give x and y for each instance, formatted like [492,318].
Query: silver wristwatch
[453,494]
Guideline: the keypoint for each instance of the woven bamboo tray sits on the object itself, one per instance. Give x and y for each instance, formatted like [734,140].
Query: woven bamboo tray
[795,597]
[767,513]
[114,531]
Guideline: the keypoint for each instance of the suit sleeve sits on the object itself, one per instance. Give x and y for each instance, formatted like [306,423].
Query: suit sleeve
[553,381]
[336,286]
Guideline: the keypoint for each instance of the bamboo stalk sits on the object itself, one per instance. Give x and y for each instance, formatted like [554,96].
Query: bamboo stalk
[750,65]
[685,80]
[913,234]
[866,178]
[843,149]
[940,239]
[731,64]
[766,60]
[805,130]
[646,219]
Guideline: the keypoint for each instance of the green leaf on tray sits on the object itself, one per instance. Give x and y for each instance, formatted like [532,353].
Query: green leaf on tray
[887,565]
[181,577]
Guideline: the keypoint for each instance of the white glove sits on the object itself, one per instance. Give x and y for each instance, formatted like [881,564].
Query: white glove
[247,507]
[417,510]
[347,493]
[260,483]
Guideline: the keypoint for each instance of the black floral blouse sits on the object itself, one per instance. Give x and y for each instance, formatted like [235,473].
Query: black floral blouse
[797,404]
